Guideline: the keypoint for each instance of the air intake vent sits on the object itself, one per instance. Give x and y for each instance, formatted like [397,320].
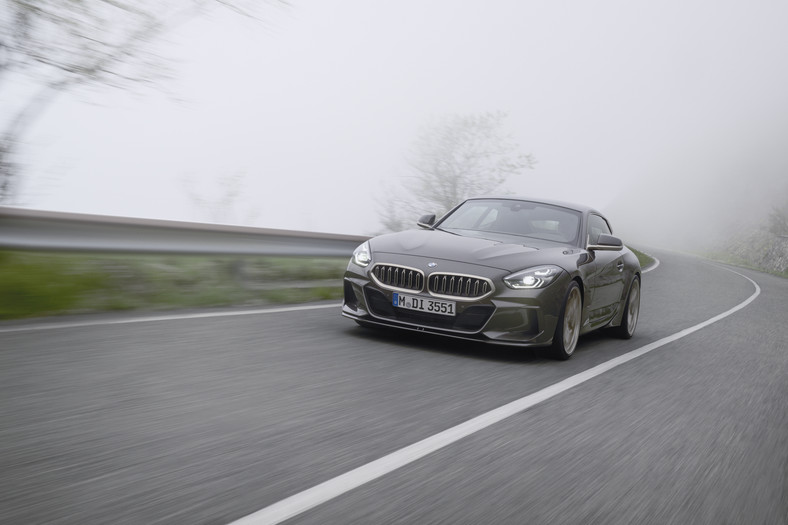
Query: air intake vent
[399,277]
[453,285]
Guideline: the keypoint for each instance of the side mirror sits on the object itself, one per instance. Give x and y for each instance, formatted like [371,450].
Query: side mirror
[607,242]
[426,221]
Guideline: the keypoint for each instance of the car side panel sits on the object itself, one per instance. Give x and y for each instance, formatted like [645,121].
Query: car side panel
[606,285]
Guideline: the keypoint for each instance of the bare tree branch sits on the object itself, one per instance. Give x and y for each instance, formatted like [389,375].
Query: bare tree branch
[453,159]
[58,44]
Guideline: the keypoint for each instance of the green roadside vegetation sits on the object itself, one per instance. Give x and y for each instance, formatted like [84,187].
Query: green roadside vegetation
[645,260]
[34,284]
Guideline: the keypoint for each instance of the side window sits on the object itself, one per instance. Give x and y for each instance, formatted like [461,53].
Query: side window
[596,226]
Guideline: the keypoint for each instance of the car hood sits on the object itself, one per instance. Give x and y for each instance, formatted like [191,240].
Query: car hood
[505,252]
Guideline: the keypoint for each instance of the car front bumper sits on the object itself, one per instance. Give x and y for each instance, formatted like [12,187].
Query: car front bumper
[507,317]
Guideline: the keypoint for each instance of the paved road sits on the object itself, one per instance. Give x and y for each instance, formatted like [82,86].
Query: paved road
[208,420]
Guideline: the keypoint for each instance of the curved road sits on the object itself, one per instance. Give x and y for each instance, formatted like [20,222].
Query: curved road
[208,419]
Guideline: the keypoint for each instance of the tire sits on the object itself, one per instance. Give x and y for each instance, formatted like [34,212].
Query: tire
[629,320]
[567,332]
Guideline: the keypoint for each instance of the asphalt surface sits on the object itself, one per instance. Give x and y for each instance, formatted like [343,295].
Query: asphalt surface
[209,420]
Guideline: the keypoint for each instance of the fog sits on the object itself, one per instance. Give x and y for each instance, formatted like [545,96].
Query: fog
[670,116]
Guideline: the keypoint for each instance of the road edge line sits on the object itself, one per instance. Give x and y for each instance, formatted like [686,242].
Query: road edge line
[155,318]
[312,497]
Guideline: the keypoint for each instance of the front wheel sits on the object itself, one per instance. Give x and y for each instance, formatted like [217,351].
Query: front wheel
[568,330]
[631,311]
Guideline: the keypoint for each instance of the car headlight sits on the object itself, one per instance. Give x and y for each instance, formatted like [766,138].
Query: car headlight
[362,255]
[537,277]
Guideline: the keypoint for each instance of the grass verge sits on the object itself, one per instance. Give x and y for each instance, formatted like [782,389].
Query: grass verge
[36,284]
[645,260]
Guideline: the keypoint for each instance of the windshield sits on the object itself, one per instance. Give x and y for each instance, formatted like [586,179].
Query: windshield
[514,217]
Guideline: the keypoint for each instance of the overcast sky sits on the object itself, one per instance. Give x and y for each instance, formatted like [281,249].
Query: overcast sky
[668,115]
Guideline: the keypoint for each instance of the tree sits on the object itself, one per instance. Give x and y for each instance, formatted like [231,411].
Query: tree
[778,221]
[454,158]
[55,45]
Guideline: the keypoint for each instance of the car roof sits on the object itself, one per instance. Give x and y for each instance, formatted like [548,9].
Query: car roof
[561,204]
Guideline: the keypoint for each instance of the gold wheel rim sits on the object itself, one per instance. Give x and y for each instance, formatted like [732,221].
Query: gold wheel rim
[572,320]
[633,308]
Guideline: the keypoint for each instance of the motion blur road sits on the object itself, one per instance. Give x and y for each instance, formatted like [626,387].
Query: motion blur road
[208,420]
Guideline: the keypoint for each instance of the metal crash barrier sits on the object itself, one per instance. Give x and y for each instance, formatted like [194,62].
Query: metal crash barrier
[26,229]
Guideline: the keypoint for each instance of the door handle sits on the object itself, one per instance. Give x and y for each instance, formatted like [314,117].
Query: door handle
[620,266]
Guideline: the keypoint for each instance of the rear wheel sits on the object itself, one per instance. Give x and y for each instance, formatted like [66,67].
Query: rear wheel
[568,330]
[631,311]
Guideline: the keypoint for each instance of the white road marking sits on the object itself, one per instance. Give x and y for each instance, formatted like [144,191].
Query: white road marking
[653,266]
[328,490]
[154,318]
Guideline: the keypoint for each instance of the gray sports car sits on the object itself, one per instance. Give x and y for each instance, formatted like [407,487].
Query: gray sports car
[503,270]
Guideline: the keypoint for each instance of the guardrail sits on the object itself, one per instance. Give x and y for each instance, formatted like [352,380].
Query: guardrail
[46,230]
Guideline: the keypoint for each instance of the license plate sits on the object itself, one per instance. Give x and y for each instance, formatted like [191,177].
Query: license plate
[424,304]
